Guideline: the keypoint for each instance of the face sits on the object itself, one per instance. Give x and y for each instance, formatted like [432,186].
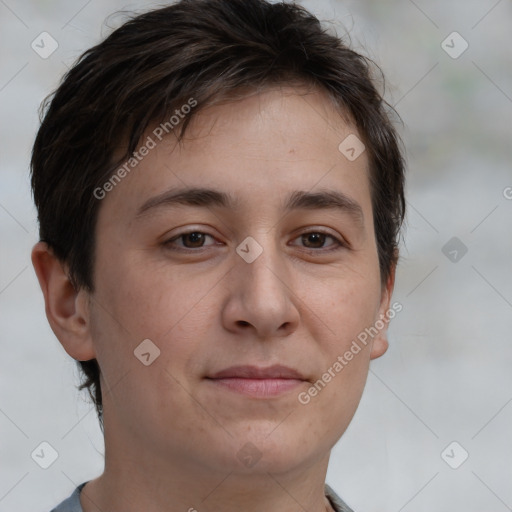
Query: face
[249,294]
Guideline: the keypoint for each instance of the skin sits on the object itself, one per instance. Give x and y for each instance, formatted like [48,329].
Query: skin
[172,436]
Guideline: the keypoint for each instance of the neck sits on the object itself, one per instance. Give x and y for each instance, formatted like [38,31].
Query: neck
[140,474]
[137,479]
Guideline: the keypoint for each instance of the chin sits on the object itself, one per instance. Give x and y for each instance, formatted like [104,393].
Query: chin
[276,450]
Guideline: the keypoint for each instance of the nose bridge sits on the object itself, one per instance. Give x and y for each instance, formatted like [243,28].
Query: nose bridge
[261,288]
[263,276]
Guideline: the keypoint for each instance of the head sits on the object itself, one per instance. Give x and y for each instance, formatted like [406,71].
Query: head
[256,107]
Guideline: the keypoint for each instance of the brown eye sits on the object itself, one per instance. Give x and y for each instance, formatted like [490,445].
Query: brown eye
[190,240]
[315,240]
[195,238]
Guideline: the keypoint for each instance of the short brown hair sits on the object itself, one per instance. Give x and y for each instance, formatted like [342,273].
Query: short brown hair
[211,50]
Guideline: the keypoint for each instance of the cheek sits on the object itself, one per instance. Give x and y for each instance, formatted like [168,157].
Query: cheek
[146,301]
[345,307]
[134,302]
[141,307]
[334,397]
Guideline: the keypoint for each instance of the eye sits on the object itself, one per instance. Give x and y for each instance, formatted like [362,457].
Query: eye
[191,239]
[315,240]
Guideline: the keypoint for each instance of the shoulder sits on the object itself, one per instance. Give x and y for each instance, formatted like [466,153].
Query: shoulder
[337,503]
[72,503]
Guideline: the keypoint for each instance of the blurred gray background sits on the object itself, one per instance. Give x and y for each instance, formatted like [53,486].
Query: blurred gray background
[447,375]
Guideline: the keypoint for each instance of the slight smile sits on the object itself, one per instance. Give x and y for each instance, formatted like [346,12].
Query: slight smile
[258,382]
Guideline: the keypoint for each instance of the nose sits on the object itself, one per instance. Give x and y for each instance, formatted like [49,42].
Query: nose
[261,300]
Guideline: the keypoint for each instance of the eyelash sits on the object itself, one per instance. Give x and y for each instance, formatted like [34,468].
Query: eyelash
[338,245]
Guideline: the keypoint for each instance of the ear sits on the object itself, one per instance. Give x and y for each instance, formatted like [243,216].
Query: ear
[380,341]
[67,309]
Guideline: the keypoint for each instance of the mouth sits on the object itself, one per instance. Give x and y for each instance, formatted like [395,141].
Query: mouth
[258,382]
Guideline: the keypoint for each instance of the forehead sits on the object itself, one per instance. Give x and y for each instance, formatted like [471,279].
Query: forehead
[258,148]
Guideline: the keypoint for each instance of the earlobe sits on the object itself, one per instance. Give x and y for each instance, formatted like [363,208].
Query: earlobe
[379,346]
[66,308]
[380,342]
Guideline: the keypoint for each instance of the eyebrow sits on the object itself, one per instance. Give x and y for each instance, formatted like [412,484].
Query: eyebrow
[297,200]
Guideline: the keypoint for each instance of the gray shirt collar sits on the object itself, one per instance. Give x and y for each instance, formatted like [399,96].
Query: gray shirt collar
[72,504]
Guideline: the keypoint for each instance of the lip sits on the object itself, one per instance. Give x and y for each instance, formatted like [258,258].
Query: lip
[258,382]
[276,371]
